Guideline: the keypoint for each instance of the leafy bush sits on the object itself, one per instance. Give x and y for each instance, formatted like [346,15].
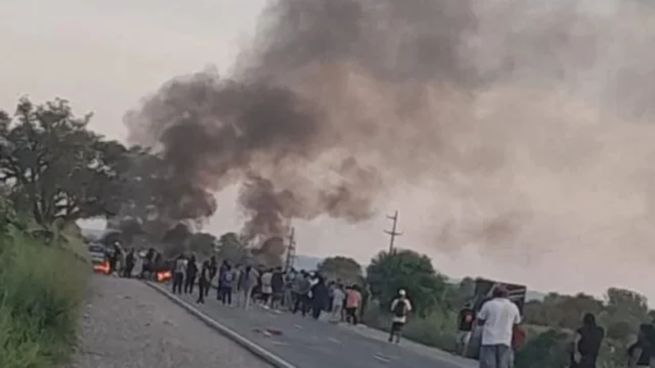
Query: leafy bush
[546,350]
[40,290]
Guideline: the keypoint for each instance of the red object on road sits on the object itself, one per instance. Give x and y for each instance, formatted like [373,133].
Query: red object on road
[102,268]
[164,276]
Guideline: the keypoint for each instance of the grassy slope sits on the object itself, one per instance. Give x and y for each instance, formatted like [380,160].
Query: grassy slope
[41,288]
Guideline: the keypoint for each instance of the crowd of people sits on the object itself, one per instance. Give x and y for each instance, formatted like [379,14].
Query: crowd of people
[299,292]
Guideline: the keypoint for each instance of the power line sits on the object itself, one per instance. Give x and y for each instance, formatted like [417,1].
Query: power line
[393,233]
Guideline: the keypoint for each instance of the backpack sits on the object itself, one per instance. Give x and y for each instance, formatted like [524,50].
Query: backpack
[400,309]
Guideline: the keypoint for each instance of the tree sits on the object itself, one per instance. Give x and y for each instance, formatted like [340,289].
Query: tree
[624,311]
[341,268]
[407,270]
[202,244]
[57,169]
[457,295]
[231,249]
[627,302]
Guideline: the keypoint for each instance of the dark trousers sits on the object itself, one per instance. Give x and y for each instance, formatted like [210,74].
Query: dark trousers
[226,295]
[317,308]
[302,304]
[203,286]
[127,272]
[178,280]
[351,315]
[396,331]
[189,283]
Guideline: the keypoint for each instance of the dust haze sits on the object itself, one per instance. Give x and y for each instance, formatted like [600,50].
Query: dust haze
[528,124]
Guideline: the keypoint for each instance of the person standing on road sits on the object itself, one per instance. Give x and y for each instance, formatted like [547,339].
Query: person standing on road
[320,297]
[247,283]
[212,270]
[303,287]
[353,302]
[178,274]
[227,283]
[129,264]
[587,343]
[498,317]
[465,322]
[277,283]
[203,282]
[221,270]
[191,273]
[400,307]
[338,297]
[267,287]
[289,279]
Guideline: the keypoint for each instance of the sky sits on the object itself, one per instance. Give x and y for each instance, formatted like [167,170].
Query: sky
[105,57]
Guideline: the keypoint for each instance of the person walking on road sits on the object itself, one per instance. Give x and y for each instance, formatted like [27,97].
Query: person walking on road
[642,353]
[400,308]
[190,277]
[587,343]
[353,302]
[498,317]
[178,274]
[203,282]
[465,322]
[338,298]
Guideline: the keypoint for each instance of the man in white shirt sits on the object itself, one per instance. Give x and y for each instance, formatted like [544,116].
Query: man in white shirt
[498,317]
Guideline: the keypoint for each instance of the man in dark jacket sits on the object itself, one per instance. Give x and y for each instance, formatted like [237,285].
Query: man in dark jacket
[190,275]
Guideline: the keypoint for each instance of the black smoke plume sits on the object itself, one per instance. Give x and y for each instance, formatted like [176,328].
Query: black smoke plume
[505,113]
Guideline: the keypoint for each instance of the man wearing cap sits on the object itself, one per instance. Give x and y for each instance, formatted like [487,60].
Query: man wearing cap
[498,317]
[400,307]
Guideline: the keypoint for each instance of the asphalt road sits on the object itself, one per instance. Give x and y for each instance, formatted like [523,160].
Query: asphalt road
[126,324]
[307,343]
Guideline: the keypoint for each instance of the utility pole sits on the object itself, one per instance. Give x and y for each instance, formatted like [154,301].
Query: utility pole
[393,233]
[291,251]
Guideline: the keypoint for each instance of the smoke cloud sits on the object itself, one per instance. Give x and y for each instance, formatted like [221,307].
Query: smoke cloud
[528,122]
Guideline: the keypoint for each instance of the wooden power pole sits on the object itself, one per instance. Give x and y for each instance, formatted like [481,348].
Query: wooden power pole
[291,251]
[393,233]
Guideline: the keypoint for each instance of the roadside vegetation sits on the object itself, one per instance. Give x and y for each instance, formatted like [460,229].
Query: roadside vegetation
[549,323]
[53,171]
[41,286]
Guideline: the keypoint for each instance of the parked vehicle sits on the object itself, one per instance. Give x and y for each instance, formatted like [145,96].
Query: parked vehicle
[483,291]
[99,259]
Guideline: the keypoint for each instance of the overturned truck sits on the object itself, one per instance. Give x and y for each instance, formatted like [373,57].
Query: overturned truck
[483,292]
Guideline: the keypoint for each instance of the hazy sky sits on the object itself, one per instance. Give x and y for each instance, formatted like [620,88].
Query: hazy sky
[104,56]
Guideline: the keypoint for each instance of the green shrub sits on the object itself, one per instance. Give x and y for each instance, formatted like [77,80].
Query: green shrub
[546,350]
[41,289]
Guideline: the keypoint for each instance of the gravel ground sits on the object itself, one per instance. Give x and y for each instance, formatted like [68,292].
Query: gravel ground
[126,324]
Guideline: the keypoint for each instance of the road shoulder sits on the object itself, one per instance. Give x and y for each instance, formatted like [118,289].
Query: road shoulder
[126,324]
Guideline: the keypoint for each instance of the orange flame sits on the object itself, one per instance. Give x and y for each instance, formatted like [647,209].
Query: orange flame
[164,276]
[102,268]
